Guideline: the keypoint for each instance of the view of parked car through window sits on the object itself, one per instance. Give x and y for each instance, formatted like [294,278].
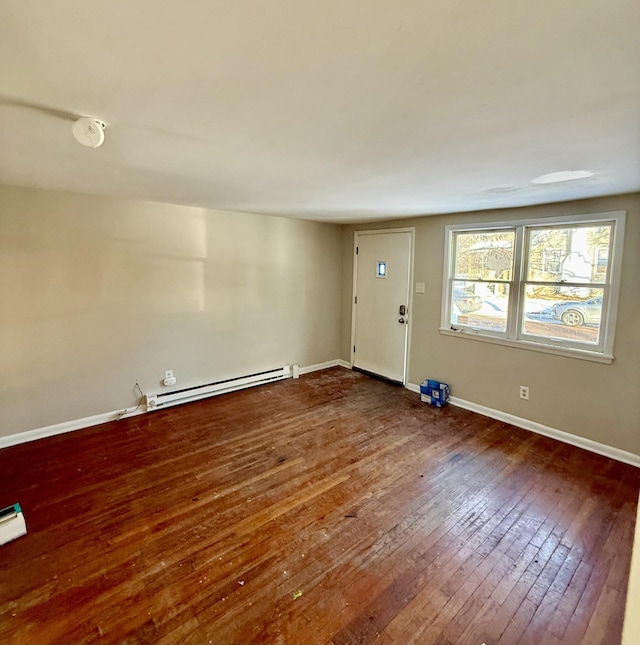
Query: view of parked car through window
[563,281]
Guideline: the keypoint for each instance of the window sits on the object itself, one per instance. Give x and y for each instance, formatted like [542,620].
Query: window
[552,260]
[549,284]
[602,259]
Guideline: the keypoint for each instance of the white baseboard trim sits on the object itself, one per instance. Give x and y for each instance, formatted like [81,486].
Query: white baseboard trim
[539,428]
[323,366]
[97,419]
[67,426]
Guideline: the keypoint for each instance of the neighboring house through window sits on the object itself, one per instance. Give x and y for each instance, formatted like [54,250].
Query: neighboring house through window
[549,284]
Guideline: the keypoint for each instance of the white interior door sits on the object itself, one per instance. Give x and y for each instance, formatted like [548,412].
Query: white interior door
[381,302]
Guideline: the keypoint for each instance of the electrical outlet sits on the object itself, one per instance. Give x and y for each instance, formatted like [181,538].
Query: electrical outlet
[524,392]
[168,373]
[170,381]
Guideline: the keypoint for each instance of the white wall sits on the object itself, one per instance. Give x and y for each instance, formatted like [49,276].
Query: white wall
[99,292]
[592,400]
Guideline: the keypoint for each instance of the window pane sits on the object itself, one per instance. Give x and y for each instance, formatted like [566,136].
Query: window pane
[481,305]
[484,255]
[567,313]
[576,254]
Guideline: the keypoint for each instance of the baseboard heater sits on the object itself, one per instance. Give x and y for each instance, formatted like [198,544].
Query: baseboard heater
[158,401]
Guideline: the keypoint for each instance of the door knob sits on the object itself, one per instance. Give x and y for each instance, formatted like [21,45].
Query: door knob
[402,320]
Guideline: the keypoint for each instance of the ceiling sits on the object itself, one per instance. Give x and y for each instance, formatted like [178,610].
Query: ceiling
[334,110]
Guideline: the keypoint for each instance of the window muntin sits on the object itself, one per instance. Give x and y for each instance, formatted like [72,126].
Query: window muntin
[548,282]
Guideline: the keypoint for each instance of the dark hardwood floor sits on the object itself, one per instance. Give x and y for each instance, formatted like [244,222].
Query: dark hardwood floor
[330,509]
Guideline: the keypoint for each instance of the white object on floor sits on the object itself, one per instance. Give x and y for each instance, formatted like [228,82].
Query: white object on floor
[12,524]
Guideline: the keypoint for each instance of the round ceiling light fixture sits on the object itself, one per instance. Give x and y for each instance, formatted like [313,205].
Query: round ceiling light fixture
[89,132]
[562,175]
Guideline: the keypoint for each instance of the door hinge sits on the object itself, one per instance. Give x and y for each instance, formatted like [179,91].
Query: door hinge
[355,300]
[357,250]
[354,349]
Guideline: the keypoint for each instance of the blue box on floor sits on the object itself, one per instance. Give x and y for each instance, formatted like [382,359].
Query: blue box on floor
[435,393]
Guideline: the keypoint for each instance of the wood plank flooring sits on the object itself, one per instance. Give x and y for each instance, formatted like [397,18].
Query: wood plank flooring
[331,509]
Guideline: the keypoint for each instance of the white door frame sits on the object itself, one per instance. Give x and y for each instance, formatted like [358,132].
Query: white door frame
[407,229]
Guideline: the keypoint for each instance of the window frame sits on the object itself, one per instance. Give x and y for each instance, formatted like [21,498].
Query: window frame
[514,334]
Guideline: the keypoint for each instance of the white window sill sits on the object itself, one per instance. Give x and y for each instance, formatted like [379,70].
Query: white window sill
[584,355]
